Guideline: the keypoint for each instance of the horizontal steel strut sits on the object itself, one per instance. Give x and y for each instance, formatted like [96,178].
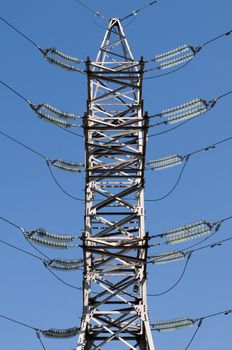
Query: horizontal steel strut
[114,242]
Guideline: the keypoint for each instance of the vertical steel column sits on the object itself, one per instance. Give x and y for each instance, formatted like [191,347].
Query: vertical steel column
[114,242]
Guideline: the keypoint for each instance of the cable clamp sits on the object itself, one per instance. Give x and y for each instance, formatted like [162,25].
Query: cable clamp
[228,312]
[209,147]
[196,49]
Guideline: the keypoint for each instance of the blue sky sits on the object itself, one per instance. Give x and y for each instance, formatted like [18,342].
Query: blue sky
[30,198]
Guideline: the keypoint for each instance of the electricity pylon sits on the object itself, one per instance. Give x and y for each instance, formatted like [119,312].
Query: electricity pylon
[114,242]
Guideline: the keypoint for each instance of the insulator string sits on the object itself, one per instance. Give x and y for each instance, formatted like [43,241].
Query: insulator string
[57,117]
[195,51]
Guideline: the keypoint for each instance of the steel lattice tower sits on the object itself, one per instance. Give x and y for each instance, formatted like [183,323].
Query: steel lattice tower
[114,242]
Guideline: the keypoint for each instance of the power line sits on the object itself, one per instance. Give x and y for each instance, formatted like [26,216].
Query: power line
[174,187]
[95,13]
[20,250]
[168,73]
[38,331]
[216,38]
[225,312]
[28,234]
[212,101]
[24,146]
[211,245]
[44,158]
[47,112]
[149,200]
[22,230]
[194,234]
[194,334]
[131,14]
[174,127]
[35,248]
[44,263]
[51,54]
[198,320]
[216,224]
[69,131]
[186,322]
[194,50]
[186,159]
[10,223]
[136,12]
[189,106]
[213,145]
[185,254]
[53,333]
[21,33]
[171,129]
[19,322]
[61,187]
[15,92]
[216,229]
[176,283]
[61,279]
[40,340]
[79,199]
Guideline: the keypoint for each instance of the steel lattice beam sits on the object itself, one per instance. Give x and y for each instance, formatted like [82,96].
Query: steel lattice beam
[114,242]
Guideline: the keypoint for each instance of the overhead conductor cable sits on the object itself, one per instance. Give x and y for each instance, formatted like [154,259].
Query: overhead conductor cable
[47,112]
[52,55]
[173,160]
[190,231]
[173,256]
[185,158]
[186,111]
[182,114]
[48,162]
[181,55]
[136,12]
[94,12]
